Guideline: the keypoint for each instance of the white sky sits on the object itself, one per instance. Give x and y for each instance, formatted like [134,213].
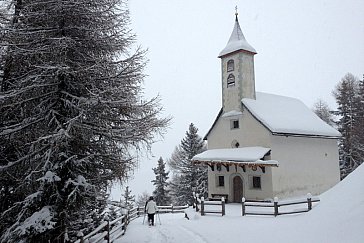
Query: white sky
[304,49]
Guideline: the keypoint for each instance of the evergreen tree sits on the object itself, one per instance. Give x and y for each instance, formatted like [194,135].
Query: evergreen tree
[349,110]
[160,193]
[179,188]
[71,113]
[188,177]
[359,128]
[128,199]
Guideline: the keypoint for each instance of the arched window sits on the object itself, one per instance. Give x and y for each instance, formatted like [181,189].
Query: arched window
[231,80]
[230,65]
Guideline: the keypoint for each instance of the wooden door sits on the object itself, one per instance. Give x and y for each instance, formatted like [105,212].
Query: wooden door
[238,189]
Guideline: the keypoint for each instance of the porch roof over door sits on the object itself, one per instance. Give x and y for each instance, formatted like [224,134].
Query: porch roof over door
[251,156]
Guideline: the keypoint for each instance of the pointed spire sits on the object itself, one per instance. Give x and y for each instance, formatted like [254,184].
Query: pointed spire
[236,13]
[237,40]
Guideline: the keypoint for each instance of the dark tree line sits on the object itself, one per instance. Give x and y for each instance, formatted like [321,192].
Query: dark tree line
[348,118]
[186,177]
[161,192]
[72,115]
[349,94]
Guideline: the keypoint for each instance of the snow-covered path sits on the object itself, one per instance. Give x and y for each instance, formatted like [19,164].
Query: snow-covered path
[339,217]
[172,229]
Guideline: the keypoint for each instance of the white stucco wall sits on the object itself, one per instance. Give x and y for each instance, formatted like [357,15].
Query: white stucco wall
[305,165]
[250,133]
[249,192]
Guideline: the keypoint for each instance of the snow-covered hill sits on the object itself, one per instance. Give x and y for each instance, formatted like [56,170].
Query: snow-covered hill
[339,217]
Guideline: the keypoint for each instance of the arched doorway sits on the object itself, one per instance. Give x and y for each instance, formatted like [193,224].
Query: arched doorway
[238,189]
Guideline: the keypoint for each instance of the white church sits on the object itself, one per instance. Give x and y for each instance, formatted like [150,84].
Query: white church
[264,145]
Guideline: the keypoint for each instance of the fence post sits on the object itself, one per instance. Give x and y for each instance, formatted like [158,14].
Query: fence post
[196,201]
[202,206]
[309,201]
[108,231]
[80,236]
[223,206]
[123,221]
[172,207]
[275,206]
[196,198]
[243,206]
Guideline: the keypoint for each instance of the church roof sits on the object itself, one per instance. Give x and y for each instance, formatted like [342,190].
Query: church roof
[288,116]
[237,41]
[283,115]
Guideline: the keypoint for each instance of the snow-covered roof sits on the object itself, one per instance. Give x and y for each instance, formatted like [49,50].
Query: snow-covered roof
[246,155]
[232,113]
[286,115]
[237,41]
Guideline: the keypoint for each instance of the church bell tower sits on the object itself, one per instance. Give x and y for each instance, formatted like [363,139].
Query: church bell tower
[237,69]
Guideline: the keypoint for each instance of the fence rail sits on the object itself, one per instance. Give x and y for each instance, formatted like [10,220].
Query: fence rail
[213,203]
[276,205]
[171,209]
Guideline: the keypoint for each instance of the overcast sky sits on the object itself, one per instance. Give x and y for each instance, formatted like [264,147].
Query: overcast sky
[304,49]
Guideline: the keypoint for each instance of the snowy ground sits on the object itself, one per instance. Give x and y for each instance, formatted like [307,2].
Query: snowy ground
[339,217]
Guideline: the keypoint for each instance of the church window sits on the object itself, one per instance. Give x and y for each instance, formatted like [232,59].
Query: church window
[256,183]
[231,80]
[230,65]
[221,181]
[234,124]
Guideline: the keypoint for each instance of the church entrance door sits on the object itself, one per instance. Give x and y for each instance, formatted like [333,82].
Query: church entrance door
[238,189]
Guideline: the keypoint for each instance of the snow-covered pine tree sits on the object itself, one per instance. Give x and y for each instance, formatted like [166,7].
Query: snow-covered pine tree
[160,193]
[72,115]
[347,98]
[187,177]
[359,129]
[128,199]
[179,188]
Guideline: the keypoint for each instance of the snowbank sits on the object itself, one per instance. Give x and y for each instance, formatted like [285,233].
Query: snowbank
[339,217]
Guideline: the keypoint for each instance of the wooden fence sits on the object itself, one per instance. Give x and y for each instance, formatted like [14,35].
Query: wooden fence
[213,203]
[276,205]
[111,230]
[171,209]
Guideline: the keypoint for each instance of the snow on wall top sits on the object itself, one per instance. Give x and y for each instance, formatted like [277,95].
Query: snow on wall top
[237,41]
[281,114]
[246,154]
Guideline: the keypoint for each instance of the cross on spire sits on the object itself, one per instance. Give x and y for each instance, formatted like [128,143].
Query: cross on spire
[236,13]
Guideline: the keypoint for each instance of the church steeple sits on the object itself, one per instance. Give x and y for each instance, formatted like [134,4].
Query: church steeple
[237,41]
[237,67]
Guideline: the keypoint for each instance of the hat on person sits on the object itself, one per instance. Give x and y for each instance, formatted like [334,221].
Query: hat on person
[150,198]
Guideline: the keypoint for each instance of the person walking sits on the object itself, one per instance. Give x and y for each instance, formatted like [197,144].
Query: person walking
[151,209]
